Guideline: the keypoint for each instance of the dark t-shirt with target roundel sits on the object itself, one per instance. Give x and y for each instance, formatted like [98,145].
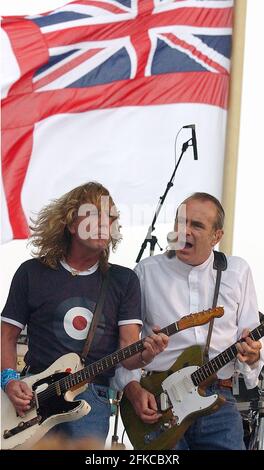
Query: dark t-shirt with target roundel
[57,308]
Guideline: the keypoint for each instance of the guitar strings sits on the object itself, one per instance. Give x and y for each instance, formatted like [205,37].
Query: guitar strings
[90,371]
[115,358]
[127,352]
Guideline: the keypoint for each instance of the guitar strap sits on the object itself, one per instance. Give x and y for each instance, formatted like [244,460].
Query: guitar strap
[96,316]
[220,264]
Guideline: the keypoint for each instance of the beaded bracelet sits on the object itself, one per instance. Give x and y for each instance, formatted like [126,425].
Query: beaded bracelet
[7,375]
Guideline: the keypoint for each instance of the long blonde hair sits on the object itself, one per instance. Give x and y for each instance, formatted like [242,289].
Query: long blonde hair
[50,234]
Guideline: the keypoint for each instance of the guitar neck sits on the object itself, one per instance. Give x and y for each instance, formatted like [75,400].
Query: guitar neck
[92,370]
[213,366]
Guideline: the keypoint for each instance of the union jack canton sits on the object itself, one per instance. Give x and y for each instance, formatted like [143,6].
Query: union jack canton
[98,54]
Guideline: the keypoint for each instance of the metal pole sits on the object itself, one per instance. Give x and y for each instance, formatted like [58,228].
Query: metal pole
[233,123]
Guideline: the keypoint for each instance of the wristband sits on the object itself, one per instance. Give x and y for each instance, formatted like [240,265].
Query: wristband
[7,375]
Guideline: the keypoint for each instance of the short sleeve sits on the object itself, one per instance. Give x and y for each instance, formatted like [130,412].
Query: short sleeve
[16,308]
[130,308]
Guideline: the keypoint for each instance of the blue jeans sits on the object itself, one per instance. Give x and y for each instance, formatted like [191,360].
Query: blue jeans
[222,430]
[96,423]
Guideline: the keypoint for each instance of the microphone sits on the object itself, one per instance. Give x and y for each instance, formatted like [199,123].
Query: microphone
[194,141]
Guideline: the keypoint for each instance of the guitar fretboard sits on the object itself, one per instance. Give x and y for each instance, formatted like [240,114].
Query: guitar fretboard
[213,366]
[89,372]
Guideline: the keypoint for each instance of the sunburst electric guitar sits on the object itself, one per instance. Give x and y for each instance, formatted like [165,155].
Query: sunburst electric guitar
[55,388]
[180,397]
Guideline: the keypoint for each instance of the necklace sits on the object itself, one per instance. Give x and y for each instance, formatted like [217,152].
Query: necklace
[78,272]
[74,272]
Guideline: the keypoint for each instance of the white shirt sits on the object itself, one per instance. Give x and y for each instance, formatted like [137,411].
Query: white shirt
[172,289]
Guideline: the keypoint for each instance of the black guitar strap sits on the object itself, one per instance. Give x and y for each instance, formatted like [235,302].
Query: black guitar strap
[220,264]
[96,316]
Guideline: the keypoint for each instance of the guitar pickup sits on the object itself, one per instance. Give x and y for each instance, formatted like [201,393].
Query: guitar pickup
[164,402]
[172,389]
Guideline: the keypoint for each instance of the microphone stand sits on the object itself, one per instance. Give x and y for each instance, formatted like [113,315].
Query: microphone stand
[151,239]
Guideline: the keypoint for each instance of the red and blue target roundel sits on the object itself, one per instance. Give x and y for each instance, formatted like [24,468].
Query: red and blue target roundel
[72,321]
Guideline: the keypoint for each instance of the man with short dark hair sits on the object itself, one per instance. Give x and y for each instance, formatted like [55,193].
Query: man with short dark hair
[182,281]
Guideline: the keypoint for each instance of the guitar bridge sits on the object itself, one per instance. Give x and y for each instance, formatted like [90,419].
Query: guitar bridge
[21,427]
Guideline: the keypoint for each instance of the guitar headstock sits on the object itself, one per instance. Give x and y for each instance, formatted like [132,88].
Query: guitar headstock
[200,318]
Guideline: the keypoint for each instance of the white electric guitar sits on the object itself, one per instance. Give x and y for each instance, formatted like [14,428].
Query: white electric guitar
[55,388]
[180,397]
